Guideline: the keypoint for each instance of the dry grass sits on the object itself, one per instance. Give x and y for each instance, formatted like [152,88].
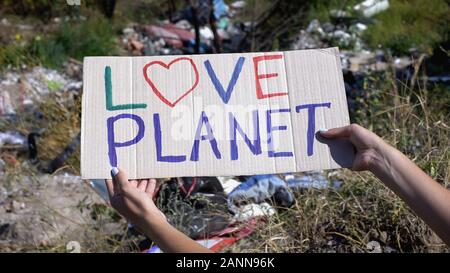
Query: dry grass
[412,118]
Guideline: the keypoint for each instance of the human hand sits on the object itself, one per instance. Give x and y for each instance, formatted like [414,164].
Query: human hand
[369,146]
[133,199]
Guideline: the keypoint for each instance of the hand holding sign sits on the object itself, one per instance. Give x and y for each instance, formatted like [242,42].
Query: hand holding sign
[228,114]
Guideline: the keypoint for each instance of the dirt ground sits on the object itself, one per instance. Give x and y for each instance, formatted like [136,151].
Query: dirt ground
[55,213]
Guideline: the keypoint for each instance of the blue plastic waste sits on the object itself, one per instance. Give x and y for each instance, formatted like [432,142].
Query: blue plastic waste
[258,188]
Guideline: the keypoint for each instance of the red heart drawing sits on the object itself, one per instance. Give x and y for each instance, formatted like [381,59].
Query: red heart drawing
[167,66]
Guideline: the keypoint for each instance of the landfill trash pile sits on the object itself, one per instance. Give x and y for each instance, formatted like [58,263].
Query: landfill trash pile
[20,91]
[358,61]
[227,209]
[178,36]
[29,98]
[347,33]
[38,210]
[215,211]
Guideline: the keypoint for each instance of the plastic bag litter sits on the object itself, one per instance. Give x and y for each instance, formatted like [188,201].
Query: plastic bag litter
[250,211]
[369,8]
[314,180]
[257,189]
[12,138]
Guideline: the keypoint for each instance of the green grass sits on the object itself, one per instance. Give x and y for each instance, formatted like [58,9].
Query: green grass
[320,9]
[414,23]
[94,37]
[15,56]
[76,39]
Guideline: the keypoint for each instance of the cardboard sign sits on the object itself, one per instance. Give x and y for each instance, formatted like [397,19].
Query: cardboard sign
[211,115]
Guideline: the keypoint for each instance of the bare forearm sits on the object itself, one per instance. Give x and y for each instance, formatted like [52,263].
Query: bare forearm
[426,197]
[169,239]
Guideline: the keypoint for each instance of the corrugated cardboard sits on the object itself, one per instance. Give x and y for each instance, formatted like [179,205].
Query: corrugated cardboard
[187,110]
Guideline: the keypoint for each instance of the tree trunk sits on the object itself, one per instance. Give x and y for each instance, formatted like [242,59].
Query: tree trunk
[193,4]
[212,23]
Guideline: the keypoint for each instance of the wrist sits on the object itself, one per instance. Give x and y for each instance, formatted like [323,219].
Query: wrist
[154,221]
[152,218]
[380,156]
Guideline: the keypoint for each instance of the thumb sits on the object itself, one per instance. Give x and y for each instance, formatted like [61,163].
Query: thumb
[340,132]
[119,177]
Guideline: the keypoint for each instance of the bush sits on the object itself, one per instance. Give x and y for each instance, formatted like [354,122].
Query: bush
[406,24]
[14,55]
[94,37]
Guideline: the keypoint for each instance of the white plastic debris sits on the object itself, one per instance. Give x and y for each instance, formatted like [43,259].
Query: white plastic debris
[360,26]
[336,13]
[99,187]
[19,90]
[6,106]
[374,247]
[128,31]
[206,33]
[228,183]
[250,211]
[238,4]
[369,8]
[315,180]
[12,138]
[184,24]
[66,178]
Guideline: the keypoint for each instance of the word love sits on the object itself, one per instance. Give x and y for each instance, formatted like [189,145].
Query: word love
[224,93]
[253,143]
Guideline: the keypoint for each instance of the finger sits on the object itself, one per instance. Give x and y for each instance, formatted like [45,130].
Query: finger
[339,132]
[142,184]
[151,185]
[120,178]
[115,183]
[109,187]
[133,183]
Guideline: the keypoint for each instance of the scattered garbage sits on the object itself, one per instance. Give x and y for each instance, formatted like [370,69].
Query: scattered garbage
[346,31]
[238,4]
[19,90]
[66,178]
[339,14]
[259,188]
[14,206]
[374,247]
[205,208]
[12,138]
[2,167]
[308,180]
[195,205]
[99,186]
[221,239]
[214,244]
[228,183]
[369,8]
[250,211]
[178,35]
